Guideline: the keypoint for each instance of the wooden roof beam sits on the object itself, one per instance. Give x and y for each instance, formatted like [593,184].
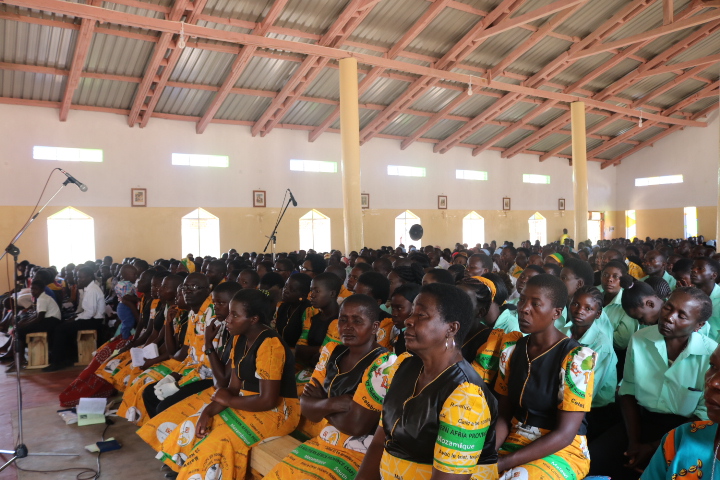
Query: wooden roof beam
[239,64]
[105,15]
[353,14]
[678,68]
[651,141]
[159,53]
[560,63]
[609,91]
[651,34]
[82,47]
[473,39]
[498,69]
[424,20]
[160,82]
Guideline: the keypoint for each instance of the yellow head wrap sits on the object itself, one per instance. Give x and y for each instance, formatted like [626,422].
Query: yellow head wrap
[488,283]
[189,264]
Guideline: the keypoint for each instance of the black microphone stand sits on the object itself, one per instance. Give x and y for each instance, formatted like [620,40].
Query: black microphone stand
[272,239]
[21,450]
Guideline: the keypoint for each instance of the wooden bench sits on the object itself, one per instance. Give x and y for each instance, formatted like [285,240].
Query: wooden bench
[86,345]
[265,456]
[38,356]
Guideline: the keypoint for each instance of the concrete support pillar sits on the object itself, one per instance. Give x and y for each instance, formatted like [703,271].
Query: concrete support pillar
[580,176]
[350,164]
[717,210]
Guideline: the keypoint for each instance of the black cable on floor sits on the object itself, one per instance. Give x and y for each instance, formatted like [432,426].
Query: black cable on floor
[86,473]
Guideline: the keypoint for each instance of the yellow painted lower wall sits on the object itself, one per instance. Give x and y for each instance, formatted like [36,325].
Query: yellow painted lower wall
[665,222]
[153,233]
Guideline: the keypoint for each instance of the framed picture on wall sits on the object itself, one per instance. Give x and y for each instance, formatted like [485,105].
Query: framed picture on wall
[561,204]
[506,203]
[365,200]
[138,197]
[258,198]
[442,202]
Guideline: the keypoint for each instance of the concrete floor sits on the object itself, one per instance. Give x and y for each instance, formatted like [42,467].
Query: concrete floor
[45,431]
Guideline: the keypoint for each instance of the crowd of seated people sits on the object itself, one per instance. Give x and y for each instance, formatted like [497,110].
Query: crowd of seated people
[532,362]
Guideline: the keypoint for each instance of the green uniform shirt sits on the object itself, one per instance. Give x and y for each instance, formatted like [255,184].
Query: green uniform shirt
[676,389]
[623,326]
[508,321]
[605,365]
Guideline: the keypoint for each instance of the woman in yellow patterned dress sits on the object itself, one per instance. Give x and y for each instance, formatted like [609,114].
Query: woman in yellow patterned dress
[545,384]
[346,392]
[261,401]
[438,416]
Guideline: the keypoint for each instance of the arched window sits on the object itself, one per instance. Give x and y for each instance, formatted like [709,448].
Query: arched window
[403,222]
[538,228]
[71,237]
[200,234]
[473,229]
[315,232]
[630,224]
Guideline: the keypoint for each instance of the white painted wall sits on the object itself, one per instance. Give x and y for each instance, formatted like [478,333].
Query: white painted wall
[692,152]
[137,157]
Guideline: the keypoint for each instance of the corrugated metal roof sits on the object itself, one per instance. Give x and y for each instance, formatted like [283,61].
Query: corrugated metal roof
[404,125]
[31,86]
[443,33]
[118,55]
[105,93]
[435,99]
[614,151]
[701,105]
[443,129]
[29,44]
[184,101]
[243,107]
[203,67]
[307,113]
[266,74]
[646,133]
[483,134]
[387,21]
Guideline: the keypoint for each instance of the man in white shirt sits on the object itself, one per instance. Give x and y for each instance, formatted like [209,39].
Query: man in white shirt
[90,315]
[47,314]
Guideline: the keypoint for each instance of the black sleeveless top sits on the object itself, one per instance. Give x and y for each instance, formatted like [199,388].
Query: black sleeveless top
[159,319]
[183,321]
[399,345]
[245,366]
[318,330]
[288,321]
[346,383]
[411,424]
[533,387]
[472,344]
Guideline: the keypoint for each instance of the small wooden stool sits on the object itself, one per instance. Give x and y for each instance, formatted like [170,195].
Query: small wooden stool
[38,356]
[265,456]
[86,344]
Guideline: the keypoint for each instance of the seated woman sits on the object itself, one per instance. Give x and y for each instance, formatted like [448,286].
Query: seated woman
[545,387]
[585,312]
[404,274]
[210,437]
[693,447]
[165,395]
[662,385]
[316,320]
[401,304]
[376,286]
[438,418]
[346,392]
[288,320]
[507,320]
[641,302]
[613,281]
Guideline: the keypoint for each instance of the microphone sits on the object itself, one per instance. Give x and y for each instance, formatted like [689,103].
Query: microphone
[81,186]
[292,198]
